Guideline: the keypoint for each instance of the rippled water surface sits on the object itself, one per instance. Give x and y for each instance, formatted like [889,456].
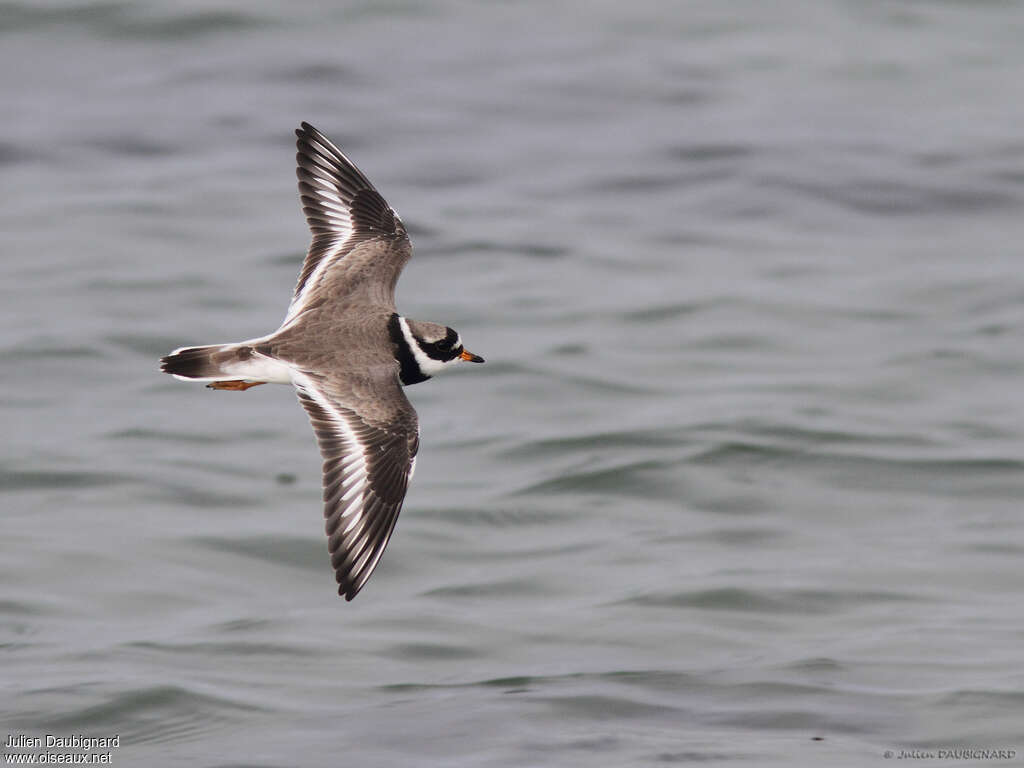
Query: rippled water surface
[739,484]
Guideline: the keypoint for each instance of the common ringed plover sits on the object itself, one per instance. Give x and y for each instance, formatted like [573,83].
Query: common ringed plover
[347,352]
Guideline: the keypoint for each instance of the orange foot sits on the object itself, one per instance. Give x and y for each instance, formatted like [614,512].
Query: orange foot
[234,386]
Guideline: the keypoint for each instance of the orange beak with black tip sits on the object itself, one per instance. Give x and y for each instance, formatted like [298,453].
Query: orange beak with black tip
[469,356]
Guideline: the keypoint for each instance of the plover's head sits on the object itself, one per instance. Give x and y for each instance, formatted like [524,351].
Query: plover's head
[425,349]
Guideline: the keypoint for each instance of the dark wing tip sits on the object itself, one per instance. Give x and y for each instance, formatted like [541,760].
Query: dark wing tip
[350,582]
[320,162]
[307,137]
[387,462]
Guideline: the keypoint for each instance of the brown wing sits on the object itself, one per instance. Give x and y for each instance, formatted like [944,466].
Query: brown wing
[369,454]
[355,232]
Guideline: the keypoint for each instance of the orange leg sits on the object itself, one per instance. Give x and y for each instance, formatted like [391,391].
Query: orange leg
[234,386]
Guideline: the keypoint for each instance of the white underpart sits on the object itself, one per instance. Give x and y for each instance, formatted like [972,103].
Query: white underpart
[353,464]
[258,367]
[428,365]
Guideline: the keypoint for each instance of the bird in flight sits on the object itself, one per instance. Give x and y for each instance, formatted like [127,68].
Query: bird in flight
[347,352]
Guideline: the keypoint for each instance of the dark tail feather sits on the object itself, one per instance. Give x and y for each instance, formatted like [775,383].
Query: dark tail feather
[199,362]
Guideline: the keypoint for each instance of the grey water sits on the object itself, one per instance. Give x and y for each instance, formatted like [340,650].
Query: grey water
[739,484]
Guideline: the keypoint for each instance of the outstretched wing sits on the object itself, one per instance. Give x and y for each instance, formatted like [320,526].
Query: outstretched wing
[368,461]
[355,232]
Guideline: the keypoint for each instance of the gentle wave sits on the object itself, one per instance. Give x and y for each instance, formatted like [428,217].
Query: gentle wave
[772,601]
[125,21]
[297,552]
[202,438]
[27,480]
[153,714]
